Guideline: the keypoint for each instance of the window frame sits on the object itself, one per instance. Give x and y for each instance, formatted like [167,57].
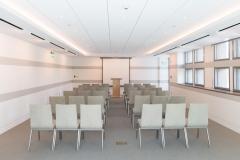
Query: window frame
[234,49]
[185,57]
[222,88]
[234,89]
[185,82]
[195,56]
[200,85]
[228,51]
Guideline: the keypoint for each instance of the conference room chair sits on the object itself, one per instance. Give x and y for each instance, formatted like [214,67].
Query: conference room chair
[176,99]
[66,94]
[159,91]
[77,100]
[175,119]
[137,85]
[75,90]
[128,89]
[86,86]
[95,86]
[99,100]
[40,120]
[138,104]
[91,120]
[85,93]
[160,100]
[103,93]
[198,118]
[66,120]
[151,92]
[53,100]
[131,98]
[151,119]
[163,93]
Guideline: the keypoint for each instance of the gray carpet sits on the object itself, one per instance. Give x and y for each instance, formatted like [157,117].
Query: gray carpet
[225,143]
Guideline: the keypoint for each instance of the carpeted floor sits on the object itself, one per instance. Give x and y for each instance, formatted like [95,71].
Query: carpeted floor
[121,143]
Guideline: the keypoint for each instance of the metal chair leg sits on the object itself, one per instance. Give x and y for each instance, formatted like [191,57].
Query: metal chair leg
[30,139]
[198,133]
[79,140]
[157,134]
[163,138]
[140,138]
[186,137]
[133,116]
[178,133]
[39,135]
[54,139]
[102,138]
[209,142]
[78,136]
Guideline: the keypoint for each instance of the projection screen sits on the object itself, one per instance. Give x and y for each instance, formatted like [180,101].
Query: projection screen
[115,68]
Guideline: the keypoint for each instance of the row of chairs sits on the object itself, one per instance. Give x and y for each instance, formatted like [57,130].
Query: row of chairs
[135,109]
[175,118]
[66,119]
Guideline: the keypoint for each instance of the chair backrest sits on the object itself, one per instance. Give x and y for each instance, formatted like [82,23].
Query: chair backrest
[53,100]
[151,115]
[90,117]
[198,115]
[66,94]
[41,116]
[103,93]
[176,99]
[85,93]
[163,93]
[77,100]
[99,100]
[151,92]
[132,94]
[158,90]
[175,116]
[160,100]
[66,116]
[139,101]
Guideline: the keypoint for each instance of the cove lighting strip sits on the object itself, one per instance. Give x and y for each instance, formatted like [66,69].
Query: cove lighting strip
[9,5]
[200,26]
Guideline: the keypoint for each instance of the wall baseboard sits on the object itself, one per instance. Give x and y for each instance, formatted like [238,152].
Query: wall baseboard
[14,123]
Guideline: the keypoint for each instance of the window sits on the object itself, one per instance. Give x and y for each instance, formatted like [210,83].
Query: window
[198,55]
[188,76]
[199,77]
[188,57]
[236,78]
[222,51]
[221,78]
[236,53]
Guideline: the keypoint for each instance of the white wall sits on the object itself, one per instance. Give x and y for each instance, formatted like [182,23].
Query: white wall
[16,76]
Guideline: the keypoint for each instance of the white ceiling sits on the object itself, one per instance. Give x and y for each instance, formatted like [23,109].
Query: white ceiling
[107,28]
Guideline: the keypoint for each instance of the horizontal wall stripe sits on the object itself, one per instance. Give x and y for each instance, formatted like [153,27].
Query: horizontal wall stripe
[212,92]
[22,62]
[24,92]
[86,81]
[143,67]
[148,81]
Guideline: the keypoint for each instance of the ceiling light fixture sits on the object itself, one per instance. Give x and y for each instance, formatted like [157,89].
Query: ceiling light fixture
[201,26]
[18,11]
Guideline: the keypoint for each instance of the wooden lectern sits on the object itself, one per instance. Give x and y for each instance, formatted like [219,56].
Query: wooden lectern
[116,87]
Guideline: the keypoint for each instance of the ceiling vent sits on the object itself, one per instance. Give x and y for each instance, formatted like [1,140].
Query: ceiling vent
[72,52]
[197,39]
[9,23]
[37,36]
[166,51]
[56,45]
[228,27]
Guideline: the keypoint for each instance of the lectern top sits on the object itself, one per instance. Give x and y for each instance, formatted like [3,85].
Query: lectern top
[116,78]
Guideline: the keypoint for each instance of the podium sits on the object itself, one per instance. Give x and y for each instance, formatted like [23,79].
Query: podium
[115,87]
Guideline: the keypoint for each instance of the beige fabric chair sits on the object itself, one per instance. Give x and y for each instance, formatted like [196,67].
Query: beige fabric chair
[151,92]
[85,93]
[66,94]
[176,99]
[103,93]
[163,93]
[91,120]
[40,120]
[198,118]
[53,100]
[131,99]
[77,100]
[175,119]
[138,104]
[160,100]
[66,119]
[151,119]
[159,91]
[99,100]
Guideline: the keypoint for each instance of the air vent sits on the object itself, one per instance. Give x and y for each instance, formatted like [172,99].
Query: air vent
[228,27]
[166,51]
[195,40]
[56,45]
[72,52]
[37,36]
[13,25]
